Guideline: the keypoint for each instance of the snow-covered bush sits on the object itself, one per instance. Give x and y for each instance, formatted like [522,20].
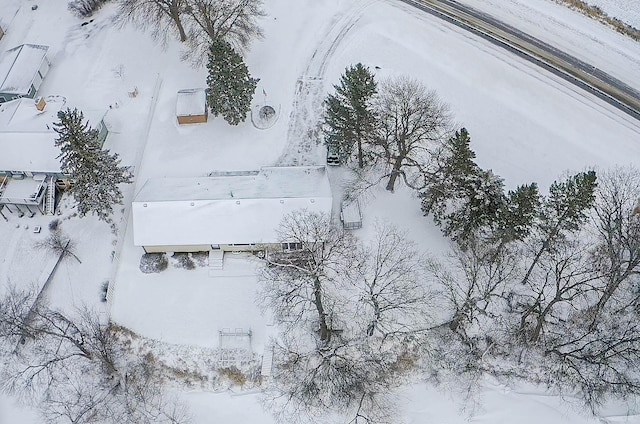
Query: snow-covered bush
[54,224]
[85,8]
[233,375]
[200,258]
[183,260]
[153,262]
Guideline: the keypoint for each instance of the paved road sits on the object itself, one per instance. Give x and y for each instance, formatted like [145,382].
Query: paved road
[579,73]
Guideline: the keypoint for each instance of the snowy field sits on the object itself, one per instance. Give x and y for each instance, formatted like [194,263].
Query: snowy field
[571,32]
[626,10]
[525,124]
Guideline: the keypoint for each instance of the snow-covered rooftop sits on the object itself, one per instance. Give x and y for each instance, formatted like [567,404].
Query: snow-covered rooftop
[27,137]
[21,115]
[29,151]
[191,102]
[351,213]
[270,182]
[227,209]
[19,66]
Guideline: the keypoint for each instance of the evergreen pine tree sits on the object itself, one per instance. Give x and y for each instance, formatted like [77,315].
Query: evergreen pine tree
[349,117]
[520,210]
[568,201]
[562,212]
[467,201]
[95,172]
[231,87]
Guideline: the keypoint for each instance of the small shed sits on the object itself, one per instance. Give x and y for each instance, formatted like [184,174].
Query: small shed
[191,106]
[22,70]
[351,216]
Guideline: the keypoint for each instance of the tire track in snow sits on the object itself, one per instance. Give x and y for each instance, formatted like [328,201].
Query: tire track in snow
[303,134]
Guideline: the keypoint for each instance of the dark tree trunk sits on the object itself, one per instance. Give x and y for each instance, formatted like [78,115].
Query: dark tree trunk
[394,174]
[175,15]
[322,318]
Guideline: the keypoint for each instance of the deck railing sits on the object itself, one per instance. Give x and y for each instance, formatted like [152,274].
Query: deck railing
[35,199]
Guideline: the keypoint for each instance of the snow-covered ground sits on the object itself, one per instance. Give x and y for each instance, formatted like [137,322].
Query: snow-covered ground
[626,10]
[570,31]
[526,125]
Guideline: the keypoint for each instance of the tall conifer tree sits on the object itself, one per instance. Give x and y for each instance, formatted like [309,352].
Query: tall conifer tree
[349,116]
[231,87]
[95,172]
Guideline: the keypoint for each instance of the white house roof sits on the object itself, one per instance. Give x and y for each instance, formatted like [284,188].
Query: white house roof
[29,151]
[226,209]
[351,212]
[27,139]
[191,102]
[21,115]
[19,66]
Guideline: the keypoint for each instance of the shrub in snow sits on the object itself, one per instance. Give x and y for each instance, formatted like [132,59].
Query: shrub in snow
[54,225]
[85,8]
[153,262]
[234,375]
[200,258]
[183,260]
[103,291]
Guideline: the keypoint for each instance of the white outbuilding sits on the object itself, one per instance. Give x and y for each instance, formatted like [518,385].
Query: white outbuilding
[191,106]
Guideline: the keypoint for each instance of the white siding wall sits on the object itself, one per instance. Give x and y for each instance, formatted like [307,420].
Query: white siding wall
[186,248]
[44,68]
[37,81]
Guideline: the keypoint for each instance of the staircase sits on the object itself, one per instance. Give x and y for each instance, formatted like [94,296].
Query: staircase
[267,360]
[50,202]
[216,258]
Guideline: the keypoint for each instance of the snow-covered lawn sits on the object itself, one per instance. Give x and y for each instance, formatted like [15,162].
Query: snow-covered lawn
[189,306]
[526,125]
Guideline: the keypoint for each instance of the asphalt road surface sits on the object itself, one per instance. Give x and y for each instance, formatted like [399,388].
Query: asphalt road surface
[576,71]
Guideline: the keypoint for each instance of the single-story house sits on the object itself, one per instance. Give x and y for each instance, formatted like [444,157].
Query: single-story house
[30,170]
[234,211]
[22,70]
[191,106]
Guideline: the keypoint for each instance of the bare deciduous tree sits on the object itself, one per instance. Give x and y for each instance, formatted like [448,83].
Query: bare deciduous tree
[234,21]
[617,253]
[598,363]
[74,368]
[59,244]
[197,22]
[474,284]
[296,279]
[344,377]
[389,281]
[562,277]
[372,334]
[162,17]
[413,120]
